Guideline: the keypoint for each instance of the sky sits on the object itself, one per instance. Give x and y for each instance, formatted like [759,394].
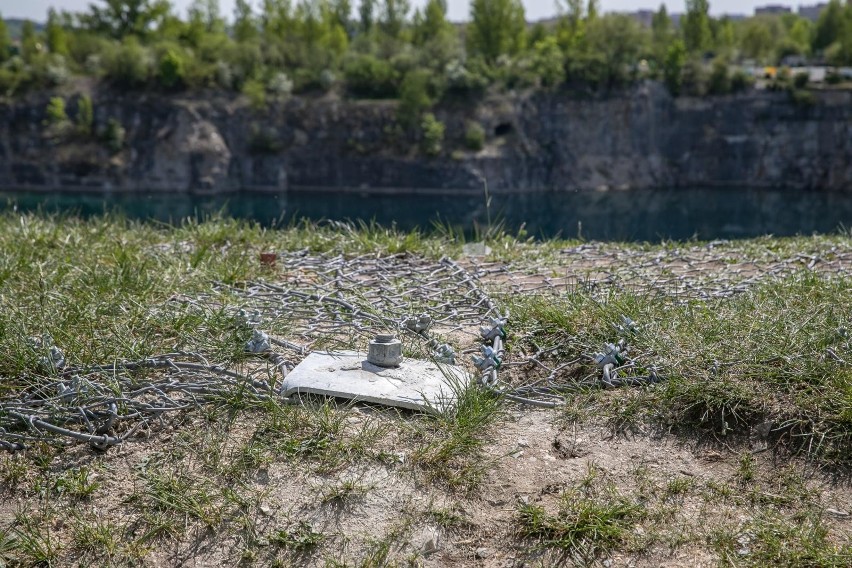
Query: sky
[458,9]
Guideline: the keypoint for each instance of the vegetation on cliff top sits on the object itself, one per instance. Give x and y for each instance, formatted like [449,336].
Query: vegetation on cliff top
[281,47]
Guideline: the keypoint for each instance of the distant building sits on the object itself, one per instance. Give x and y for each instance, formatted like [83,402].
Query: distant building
[772,9]
[812,12]
[644,17]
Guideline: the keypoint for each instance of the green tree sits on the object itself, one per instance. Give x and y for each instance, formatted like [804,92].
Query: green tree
[340,12]
[662,33]
[496,27]
[5,41]
[661,26]
[277,19]
[171,69]
[29,42]
[431,24]
[57,41]
[367,15]
[592,10]
[673,66]
[617,60]
[414,96]
[571,25]
[757,40]
[119,18]
[245,23]
[697,34]
[204,20]
[829,26]
[800,35]
[394,17]
[434,36]
[549,62]
[724,34]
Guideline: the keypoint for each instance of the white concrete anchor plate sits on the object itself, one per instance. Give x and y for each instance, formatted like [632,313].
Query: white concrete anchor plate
[415,384]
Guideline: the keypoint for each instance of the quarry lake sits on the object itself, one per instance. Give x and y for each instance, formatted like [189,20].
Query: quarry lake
[635,215]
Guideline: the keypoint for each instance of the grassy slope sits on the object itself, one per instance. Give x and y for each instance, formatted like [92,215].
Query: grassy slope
[101,289]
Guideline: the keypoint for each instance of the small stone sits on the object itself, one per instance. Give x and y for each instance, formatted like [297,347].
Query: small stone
[266,510]
[523,443]
[607,563]
[430,537]
[482,553]
[430,547]
[744,551]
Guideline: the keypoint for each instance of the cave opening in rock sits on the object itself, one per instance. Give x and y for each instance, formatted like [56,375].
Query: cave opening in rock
[502,129]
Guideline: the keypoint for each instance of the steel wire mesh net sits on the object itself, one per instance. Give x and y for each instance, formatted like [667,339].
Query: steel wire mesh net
[442,309]
[306,303]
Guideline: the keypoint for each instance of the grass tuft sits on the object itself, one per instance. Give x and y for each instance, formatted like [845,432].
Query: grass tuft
[592,518]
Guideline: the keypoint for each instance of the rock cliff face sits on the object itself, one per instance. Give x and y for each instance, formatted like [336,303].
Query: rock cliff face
[534,142]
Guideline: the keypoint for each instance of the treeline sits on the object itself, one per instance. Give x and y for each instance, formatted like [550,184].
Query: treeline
[384,50]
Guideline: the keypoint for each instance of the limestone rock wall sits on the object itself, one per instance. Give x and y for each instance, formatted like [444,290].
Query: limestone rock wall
[534,142]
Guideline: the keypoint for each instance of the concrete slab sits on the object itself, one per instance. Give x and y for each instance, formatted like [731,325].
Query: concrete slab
[415,384]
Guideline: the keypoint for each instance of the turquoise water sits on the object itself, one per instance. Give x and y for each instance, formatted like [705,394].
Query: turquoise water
[636,215]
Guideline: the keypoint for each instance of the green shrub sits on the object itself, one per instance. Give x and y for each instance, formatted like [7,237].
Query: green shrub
[10,80]
[256,92]
[800,80]
[51,69]
[129,66]
[433,134]
[56,122]
[264,140]
[474,136]
[414,96]
[171,70]
[368,76]
[549,62]
[56,111]
[802,97]
[694,78]
[85,115]
[516,72]
[466,78]
[280,86]
[673,67]
[327,79]
[719,82]
[114,135]
[741,81]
